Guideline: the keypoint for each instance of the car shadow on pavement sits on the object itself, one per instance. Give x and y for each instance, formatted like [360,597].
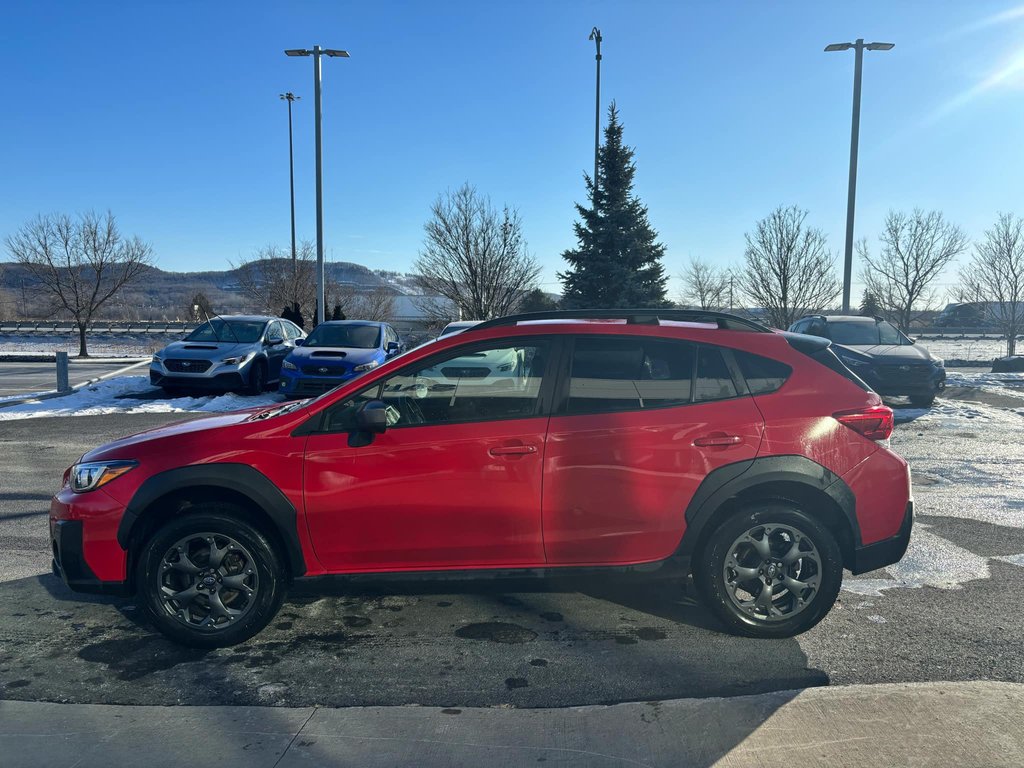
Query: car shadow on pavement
[448,646]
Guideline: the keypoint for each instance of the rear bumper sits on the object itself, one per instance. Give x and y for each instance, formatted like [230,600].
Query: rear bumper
[887,551]
[69,563]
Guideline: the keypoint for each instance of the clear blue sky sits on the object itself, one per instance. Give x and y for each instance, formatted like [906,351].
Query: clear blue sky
[168,114]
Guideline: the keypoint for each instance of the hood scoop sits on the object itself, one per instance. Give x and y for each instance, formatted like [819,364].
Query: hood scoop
[329,353]
[199,346]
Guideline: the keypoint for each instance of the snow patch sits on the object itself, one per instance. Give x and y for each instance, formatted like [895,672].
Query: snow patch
[129,394]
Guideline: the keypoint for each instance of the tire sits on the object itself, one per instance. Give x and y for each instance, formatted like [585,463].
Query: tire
[247,558]
[742,534]
[922,401]
[257,378]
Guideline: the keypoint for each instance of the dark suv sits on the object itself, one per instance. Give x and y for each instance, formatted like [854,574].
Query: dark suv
[879,353]
[649,442]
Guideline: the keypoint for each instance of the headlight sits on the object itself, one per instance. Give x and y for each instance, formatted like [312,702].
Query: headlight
[506,366]
[95,474]
[237,360]
[289,366]
[157,359]
[366,366]
[939,362]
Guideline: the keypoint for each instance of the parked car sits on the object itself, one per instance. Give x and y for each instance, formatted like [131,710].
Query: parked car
[879,353]
[241,353]
[667,443]
[457,326]
[335,352]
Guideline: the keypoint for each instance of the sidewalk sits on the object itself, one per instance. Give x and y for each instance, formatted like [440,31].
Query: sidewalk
[941,724]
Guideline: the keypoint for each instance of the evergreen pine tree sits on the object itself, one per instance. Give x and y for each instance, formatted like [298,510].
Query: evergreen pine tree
[869,305]
[617,261]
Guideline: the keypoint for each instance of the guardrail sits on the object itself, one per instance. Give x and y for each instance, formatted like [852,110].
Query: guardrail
[114,326]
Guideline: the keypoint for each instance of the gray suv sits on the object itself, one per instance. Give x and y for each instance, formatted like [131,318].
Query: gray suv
[239,353]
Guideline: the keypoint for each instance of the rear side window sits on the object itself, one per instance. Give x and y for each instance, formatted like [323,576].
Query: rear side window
[714,382]
[628,374]
[762,374]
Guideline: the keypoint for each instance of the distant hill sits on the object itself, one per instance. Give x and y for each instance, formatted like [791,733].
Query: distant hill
[163,295]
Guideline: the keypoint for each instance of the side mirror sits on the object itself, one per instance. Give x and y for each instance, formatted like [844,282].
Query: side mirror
[372,417]
[392,347]
[273,341]
[298,342]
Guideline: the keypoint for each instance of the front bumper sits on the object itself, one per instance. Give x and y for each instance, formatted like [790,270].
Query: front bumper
[69,563]
[885,552]
[298,384]
[221,382]
[893,381]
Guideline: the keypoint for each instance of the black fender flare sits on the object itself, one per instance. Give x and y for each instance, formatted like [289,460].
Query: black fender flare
[726,482]
[238,478]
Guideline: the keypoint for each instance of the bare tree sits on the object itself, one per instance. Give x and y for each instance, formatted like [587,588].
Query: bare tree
[916,248]
[377,304]
[705,285]
[81,263]
[995,277]
[475,256]
[789,269]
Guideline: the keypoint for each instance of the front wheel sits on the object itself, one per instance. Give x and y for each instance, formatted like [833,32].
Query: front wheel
[208,579]
[257,378]
[769,571]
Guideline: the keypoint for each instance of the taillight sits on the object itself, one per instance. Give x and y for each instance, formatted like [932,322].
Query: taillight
[874,423]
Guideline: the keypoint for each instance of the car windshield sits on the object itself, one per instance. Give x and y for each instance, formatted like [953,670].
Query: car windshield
[865,334]
[235,331]
[357,336]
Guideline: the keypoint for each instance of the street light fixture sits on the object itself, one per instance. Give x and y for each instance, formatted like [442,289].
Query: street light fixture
[859,47]
[290,97]
[316,53]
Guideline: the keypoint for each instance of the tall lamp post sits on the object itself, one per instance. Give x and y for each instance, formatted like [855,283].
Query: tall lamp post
[859,46]
[290,97]
[595,35]
[316,53]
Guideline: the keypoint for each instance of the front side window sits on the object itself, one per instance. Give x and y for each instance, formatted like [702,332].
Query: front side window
[485,384]
[628,373]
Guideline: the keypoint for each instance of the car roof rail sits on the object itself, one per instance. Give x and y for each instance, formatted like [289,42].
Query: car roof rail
[723,320]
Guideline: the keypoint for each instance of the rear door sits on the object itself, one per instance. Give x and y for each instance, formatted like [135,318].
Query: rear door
[641,421]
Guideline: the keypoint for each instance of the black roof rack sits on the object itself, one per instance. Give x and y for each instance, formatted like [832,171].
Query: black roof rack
[724,320]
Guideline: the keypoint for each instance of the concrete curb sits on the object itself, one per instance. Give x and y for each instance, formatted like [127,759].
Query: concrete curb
[924,724]
[36,397]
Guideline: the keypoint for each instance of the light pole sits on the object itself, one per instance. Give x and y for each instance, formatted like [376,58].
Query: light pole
[290,97]
[316,53]
[859,47]
[595,35]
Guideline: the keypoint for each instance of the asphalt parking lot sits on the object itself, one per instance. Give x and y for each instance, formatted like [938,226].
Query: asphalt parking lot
[949,612]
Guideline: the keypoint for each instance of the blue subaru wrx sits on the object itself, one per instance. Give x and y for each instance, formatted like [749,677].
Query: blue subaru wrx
[336,352]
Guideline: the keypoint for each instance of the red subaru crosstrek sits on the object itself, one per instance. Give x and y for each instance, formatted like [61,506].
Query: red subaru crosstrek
[540,444]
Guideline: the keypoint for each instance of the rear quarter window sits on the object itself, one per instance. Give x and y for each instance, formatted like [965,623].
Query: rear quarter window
[762,374]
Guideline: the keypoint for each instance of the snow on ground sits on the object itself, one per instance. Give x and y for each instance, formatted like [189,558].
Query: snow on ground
[965,350]
[100,344]
[132,394]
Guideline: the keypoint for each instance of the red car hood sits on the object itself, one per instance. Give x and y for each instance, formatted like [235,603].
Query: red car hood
[116,448]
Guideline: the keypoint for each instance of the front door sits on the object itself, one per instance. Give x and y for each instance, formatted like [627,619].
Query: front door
[455,480]
[643,423]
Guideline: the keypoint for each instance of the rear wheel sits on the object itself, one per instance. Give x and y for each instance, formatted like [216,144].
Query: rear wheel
[922,401]
[208,579]
[769,571]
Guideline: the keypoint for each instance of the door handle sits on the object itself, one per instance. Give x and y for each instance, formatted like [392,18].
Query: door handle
[717,441]
[512,450]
